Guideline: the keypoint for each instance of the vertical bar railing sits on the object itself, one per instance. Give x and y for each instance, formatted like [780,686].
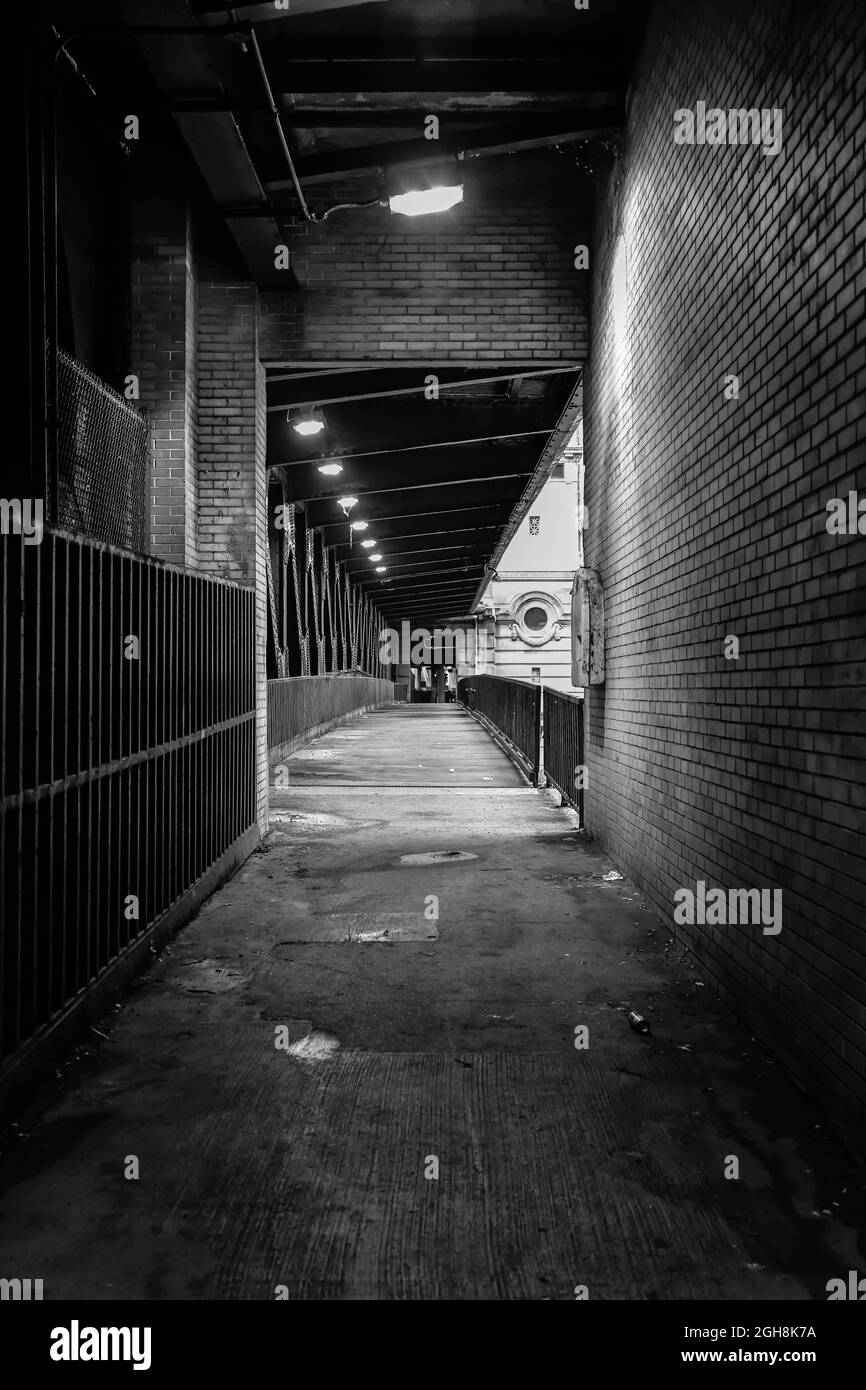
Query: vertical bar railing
[299,704]
[128,759]
[513,708]
[563,746]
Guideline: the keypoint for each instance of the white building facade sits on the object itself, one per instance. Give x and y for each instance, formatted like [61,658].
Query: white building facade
[524,615]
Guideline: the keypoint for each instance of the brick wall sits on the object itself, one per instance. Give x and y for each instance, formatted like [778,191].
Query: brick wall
[231,461]
[492,278]
[707,515]
[162,356]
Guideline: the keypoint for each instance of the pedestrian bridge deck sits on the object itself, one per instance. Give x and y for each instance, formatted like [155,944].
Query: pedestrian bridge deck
[425,1010]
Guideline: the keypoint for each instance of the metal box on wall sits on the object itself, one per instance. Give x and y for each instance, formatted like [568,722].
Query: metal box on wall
[587,629]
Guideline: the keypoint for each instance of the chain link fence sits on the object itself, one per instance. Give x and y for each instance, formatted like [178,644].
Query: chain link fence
[102,460]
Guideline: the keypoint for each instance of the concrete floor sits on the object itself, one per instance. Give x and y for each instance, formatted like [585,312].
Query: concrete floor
[404,1038]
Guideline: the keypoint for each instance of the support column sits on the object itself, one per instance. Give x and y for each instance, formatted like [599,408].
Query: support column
[162,355]
[232,482]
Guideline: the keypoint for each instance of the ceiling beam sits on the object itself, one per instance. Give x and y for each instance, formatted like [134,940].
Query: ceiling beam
[445,75]
[473,497]
[482,513]
[420,388]
[417,556]
[265,13]
[283,388]
[429,570]
[218,148]
[345,553]
[472,143]
[444,593]
[455,574]
[533,120]
[175,56]
[390,486]
[468,364]
[386,454]
[388,605]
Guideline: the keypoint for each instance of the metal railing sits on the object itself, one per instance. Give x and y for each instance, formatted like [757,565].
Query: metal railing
[300,704]
[563,746]
[128,729]
[102,460]
[512,707]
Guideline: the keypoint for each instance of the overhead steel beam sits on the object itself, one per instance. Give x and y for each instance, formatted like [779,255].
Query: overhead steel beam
[483,513]
[343,457]
[218,148]
[468,364]
[333,493]
[419,572]
[444,578]
[283,389]
[386,536]
[268,12]
[177,56]
[399,602]
[474,554]
[532,120]
[446,75]
[436,592]
[420,388]
[470,144]
[475,496]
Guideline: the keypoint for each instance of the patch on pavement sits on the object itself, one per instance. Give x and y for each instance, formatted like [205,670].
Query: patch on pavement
[306,820]
[315,1047]
[347,928]
[438,856]
[207,977]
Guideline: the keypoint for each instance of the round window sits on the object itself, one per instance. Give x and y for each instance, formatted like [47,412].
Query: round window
[535,618]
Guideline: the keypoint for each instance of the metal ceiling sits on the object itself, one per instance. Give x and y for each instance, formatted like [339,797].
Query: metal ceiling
[437,480]
[274,103]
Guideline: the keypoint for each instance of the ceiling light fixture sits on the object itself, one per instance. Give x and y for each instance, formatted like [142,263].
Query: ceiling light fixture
[427,200]
[380,569]
[307,422]
[425,188]
[367,544]
[359,525]
[347,503]
[375,557]
[330,469]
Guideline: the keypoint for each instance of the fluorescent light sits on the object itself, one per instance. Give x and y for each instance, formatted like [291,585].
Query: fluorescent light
[423,200]
[367,544]
[375,557]
[331,469]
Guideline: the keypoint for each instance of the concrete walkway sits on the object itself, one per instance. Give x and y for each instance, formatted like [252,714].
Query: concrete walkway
[345,1018]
